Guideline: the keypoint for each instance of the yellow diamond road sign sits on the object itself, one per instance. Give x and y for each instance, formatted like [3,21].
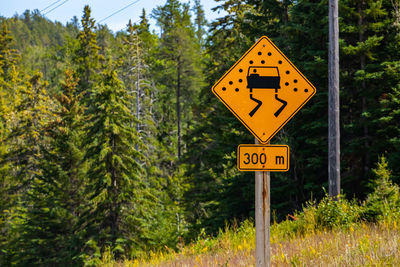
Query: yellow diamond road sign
[264,89]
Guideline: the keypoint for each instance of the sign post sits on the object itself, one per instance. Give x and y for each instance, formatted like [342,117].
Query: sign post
[262,214]
[264,90]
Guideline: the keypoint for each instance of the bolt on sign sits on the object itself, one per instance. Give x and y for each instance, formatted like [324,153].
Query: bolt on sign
[263,89]
[263,158]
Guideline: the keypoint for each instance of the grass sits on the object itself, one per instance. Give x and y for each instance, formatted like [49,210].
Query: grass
[325,233]
[359,245]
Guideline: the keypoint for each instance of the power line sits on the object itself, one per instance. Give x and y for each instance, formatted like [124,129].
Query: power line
[116,12]
[50,5]
[55,7]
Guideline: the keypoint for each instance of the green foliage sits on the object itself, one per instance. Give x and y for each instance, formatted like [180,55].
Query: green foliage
[384,202]
[86,56]
[113,172]
[329,213]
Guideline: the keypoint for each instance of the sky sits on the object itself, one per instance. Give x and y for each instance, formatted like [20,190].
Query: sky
[101,9]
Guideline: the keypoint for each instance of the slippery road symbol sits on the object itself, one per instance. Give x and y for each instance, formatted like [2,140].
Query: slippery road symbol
[264,78]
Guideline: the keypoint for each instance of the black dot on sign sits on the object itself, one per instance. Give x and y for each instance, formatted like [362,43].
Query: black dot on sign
[259,53]
[223,88]
[280,61]
[240,70]
[237,89]
[295,89]
[230,82]
[254,70]
[287,72]
[295,81]
[263,45]
[269,53]
[306,90]
[286,84]
[262,61]
[251,61]
[240,80]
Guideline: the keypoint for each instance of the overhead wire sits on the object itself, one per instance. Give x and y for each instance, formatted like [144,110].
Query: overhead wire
[52,4]
[116,12]
[55,7]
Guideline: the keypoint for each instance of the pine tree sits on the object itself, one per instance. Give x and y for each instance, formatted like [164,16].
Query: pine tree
[33,112]
[389,112]
[306,35]
[114,188]
[200,22]
[383,202]
[55,195]
[179,53]
[9,80]
[178,85]
[364,32]
[217,193]
[87,57]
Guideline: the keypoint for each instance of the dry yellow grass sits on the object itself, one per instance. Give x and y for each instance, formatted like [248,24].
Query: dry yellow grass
[363,245]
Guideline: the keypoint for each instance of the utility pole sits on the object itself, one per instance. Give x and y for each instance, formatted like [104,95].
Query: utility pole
[333,102]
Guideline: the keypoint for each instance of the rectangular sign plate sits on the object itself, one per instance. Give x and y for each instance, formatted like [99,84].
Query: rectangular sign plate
[263,158]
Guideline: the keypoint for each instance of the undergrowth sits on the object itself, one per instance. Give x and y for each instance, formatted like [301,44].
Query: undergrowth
[335,232]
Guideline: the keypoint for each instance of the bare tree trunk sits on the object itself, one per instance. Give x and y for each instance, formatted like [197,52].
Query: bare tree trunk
[137,84]
[178,106]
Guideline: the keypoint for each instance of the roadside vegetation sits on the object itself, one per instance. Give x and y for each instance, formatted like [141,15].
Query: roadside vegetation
[363,244]
[328,233]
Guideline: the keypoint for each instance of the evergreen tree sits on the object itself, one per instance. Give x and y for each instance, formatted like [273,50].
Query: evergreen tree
[179,85]
[217,192]
[178,49]
[87,57]
[8,82]
[364,32]
[306,34]
[26,137]
[114,188]
[55,196]
[200,22]
[388,114]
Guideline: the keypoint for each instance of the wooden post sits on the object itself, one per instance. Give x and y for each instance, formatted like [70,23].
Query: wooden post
[262,214]
[333,102]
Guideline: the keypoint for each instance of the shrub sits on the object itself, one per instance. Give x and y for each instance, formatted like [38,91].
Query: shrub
[341,213]
[383,203]
[329,213]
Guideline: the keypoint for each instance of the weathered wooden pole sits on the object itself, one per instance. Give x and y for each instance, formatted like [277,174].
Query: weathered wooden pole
[262,213]
[333,102]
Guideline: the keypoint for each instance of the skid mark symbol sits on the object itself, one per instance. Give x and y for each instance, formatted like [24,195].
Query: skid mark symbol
[269,81]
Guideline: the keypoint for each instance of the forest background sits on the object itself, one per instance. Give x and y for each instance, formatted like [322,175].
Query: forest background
[115,141]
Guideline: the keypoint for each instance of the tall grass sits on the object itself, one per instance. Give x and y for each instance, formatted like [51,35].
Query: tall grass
[328,233]
[363,244]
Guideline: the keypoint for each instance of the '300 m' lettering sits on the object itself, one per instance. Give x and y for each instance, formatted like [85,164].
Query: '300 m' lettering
[254,158]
